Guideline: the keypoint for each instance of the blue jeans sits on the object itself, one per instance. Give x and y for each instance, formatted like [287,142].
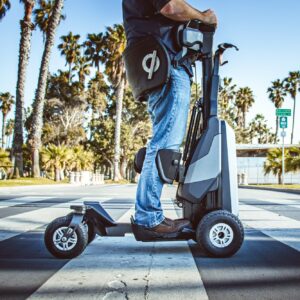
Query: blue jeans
[168,108]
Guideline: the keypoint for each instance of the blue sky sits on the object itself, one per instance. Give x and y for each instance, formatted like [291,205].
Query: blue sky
[266,31]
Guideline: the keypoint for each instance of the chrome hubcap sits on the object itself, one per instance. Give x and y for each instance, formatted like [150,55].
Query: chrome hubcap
[221,235]
[61,242]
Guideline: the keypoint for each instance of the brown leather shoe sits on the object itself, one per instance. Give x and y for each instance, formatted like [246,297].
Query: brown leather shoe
[180,223]
[170,226]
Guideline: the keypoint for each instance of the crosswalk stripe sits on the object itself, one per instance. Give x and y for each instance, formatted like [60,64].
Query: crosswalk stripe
[20,223]
[121,268]
[21,200]
[280,228]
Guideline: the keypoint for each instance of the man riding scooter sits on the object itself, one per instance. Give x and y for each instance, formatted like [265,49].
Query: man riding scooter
[168,100]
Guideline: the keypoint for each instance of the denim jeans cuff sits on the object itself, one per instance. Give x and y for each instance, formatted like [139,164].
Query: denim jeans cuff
[158,221]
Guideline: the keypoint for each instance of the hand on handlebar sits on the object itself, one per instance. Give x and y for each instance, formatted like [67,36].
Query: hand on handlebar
[209,18]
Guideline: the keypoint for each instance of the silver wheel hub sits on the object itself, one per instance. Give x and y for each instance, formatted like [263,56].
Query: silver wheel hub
[221,235]
[63,243]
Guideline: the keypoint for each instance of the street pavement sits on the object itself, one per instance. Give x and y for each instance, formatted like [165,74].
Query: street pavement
[266,267]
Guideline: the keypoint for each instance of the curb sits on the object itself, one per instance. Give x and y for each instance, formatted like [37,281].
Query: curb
[290,191]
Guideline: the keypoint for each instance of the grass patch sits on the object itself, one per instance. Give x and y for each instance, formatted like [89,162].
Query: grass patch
[123,181]
[29,181]
[278,186]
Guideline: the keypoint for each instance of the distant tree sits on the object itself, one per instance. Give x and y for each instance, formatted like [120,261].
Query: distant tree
[70,48]
[114,46]
[6,103]
[82,160]
[277,93]
[24,50]
[227,94]
[260,130]
[293,160]
[244,100]
[55,158]
[83,67]
[97,93]
[273,164]
[292,87]
[94,49]
[64,112]
[42,15]
[9,130]
[38,104]
[5,163]
[4,7]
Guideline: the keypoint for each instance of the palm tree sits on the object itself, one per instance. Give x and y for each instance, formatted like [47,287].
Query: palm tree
[42,15]
[115,43]
[70,48]
[81,159]
[293,160]
[226,94]
[273,164]
[38,104]
[55,157]
[5,163]
[244,100]
[94,48]
[4,7]
[277,93]
[83,67]
[9,130]
[292,87]
[24,51]
[258,128]
[227,108]
[6,103]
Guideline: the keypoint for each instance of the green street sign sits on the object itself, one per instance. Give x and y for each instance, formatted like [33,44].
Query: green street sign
[283,122]
[280,112]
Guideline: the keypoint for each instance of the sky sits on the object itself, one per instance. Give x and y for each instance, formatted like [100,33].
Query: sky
[266,31]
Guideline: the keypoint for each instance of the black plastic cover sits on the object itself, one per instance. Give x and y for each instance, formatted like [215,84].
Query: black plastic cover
[139,160]
[147,64]
[168,163]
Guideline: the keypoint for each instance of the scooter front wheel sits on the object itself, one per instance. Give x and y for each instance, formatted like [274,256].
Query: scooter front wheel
[220,234]
[65,247]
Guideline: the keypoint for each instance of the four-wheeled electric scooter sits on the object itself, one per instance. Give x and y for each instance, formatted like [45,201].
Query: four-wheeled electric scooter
[206,175]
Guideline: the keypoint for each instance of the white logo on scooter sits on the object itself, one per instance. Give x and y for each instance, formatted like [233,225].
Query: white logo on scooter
[154,64]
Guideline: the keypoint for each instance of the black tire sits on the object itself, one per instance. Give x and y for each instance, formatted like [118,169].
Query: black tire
[80,235]
[91,232]
[219,240]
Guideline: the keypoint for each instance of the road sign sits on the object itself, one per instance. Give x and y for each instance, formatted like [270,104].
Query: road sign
[283,122]
[283,134]
[280,112]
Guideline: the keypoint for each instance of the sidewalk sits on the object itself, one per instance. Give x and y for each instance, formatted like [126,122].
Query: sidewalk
[290,191]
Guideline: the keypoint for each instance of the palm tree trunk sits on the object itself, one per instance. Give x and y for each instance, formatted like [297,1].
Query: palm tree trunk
[38,105]
[280,178]
[24,52]
[57,174]
[70,70]
[119,96]
[3,130]
[244,119]
[293,125]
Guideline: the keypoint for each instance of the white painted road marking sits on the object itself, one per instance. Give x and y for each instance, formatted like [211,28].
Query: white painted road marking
[121,268]
[280,228]
[20,223]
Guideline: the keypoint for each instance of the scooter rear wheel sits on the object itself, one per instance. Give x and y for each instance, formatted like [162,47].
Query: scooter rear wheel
[220,234]
[62,247]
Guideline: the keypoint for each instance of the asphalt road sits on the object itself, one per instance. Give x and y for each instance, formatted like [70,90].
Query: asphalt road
[266,267]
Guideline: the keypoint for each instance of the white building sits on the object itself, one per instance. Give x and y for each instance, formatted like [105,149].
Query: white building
[250,161]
